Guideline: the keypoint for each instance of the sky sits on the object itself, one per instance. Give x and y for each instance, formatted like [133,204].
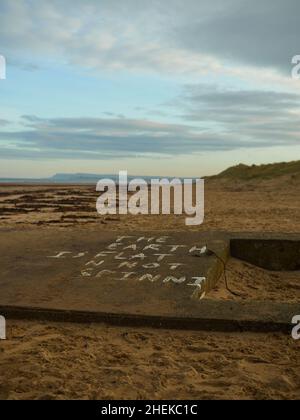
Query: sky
[154,87]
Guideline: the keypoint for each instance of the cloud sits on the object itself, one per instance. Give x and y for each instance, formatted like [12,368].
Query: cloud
[256,116]
[259,33]
[93,138]
[236,39]
[170,37]
[213,128]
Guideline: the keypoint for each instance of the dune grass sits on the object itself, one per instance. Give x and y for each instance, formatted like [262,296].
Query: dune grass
[269,171]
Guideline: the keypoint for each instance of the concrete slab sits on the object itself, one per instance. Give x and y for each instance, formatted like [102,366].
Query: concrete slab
[153,274]
[155,279]
[274,252]
[207,315]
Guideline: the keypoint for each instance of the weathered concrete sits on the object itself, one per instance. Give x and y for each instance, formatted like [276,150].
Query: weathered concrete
[278,253]
[207,315]
[155,279]
[92,271]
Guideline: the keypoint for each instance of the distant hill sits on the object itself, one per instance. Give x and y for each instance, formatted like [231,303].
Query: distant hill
[58,179]
[79,178]
[93,178]
[261,172]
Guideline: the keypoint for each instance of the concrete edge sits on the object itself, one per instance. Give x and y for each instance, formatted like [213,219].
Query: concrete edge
[215,272]
[220,323]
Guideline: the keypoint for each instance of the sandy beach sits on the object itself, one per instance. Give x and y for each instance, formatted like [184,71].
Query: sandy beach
[56,361]
[102,103]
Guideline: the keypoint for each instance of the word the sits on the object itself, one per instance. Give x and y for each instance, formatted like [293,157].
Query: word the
[155,203]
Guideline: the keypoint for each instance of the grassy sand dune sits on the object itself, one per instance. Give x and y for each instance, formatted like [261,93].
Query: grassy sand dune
[261,172]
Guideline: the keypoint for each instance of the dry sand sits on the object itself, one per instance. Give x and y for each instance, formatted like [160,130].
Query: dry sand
[42,360]
[100,362]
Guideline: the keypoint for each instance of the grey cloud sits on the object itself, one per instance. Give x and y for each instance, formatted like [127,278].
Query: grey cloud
[230,104]
[102,125]
[258,32]
[138,34]
[114,115]
[256,116]
[99,139]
